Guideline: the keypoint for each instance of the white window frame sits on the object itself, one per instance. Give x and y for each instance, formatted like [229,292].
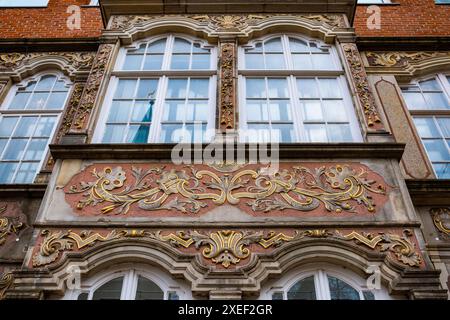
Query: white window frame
[322,290]
[441,79]
[292,75]
[163,77]
[4,111]
[130,273]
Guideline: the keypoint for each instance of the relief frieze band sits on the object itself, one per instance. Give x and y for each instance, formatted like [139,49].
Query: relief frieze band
[171,190]
[228,248]
[401,58]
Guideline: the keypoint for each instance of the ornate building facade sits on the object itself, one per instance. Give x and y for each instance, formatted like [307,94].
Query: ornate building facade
[93,205]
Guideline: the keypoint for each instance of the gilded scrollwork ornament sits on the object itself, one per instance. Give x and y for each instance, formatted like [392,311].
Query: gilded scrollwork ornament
[336,188]
[78,60]
[9,225]
[441,219]
[6,282]
[401,58]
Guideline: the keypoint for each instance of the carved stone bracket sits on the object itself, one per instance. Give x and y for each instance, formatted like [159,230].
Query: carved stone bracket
[228,247]
[441,220]
[91,90]
[8,225]
[227,85]
[360,81]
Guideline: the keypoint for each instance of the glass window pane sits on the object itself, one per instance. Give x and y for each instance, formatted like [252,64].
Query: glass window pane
[194,133]
[259,133]
[180,61]
[45,83]
[329,88]
[277,296]
[444,124]
[2,145]
[198,49]
[114,133]
[174,111]
[37,100]
[173,133]
[20,100]
[7,170]
[198,88]
[196,111]
[138,133]
[181,46]
[35,149]
[334,111]
[256,88]
[368,295]
[415,100]
[7,125]
[148,290]
[15,149]
[282,133]
[307,88]
[322,61]
[302,61]
[426,127]
[56,100]
[437,150]
[312,110]
[278,88]
[303,290]
[339,290]
[280,110]
[436,100]
[83,296]
[273,45]
[132,62]
[60,86]
[275,61]
[25,128]
[257,48]
[147,88]
[125,89]
[316,133]
[430,85]
[45,126]
[298,45]
[442,170]
[176,88]
[110,290]
[153,62]
[254,61]
[119,111]
[142,111]
[339,133]
[200,61]
[26,173]
[158,46]
[257,110]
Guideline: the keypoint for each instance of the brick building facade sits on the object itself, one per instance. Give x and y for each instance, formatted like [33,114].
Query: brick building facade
[94,205]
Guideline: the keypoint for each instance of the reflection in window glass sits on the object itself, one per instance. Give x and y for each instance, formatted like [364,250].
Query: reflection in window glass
[339,290]
[109,291]
[303,290]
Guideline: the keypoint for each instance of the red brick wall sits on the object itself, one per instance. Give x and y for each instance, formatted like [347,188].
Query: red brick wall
[409,18]
[49,22]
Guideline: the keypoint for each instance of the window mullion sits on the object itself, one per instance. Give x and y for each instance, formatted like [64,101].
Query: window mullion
[156,124]
[296,110]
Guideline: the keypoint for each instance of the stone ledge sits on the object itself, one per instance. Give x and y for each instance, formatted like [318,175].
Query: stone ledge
[429,192]
[22,190]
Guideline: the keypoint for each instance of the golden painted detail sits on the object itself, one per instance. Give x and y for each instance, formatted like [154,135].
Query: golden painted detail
[91,89]
[8,226]
[402,248]
[337,188]
[226,23]
[441,219]
[79,60]
[6,282]
[401,59]
[227,247]
[227,85]
[362,85]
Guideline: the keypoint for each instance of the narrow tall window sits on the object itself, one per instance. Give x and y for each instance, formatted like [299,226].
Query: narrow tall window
[429,104]
[162,90]
[292,90]
[28,119]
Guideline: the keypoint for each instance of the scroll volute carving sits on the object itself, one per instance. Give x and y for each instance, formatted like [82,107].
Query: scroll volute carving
[227,85]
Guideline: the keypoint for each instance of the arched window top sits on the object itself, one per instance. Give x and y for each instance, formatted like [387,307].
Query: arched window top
[288,52]
[171,52]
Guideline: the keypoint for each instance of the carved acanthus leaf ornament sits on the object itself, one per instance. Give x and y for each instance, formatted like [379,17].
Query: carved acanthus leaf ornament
[401,59]
[79,60]
[8,225]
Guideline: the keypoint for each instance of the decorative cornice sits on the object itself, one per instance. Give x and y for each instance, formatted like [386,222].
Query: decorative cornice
[441,219]
[227,247]
[359,77]
[401,59]
[15,60]
[433,192]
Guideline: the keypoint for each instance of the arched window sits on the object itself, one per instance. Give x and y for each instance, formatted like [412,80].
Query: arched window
[322,282]
[123,283]
[28,119]
[162,90]
[429,103]
[293,89]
